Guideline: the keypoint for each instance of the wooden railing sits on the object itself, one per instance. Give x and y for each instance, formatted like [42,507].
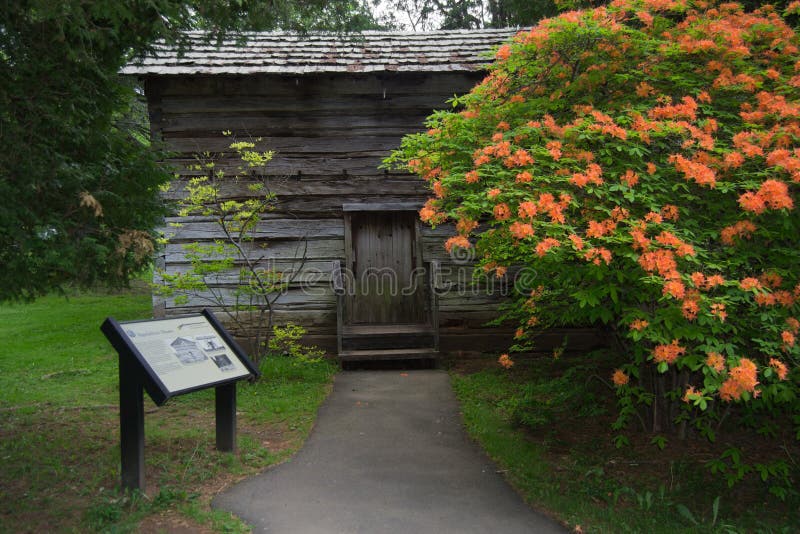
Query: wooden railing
[434,287]
[337,280]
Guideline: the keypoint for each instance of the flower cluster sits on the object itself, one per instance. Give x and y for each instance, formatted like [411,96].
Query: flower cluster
[649,179]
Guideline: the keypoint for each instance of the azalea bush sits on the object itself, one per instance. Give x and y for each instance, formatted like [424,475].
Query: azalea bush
[643,159]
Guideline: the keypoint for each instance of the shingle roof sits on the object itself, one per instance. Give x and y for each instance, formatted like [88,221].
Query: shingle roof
[288,53]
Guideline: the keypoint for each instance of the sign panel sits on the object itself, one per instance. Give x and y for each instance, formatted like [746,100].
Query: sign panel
[168,357]
[185,353]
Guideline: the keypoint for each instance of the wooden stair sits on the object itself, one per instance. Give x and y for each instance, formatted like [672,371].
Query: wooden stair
[388,342]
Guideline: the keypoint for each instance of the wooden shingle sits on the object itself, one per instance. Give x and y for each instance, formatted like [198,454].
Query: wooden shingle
[316,53]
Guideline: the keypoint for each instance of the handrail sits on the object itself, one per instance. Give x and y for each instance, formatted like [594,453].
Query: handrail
[336,277]
[434,286]
[337,282]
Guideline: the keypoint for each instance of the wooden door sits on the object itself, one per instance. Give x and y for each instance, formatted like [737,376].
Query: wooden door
[383,260]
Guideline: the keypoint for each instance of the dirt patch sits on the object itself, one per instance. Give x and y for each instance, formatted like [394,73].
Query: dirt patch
[171,523]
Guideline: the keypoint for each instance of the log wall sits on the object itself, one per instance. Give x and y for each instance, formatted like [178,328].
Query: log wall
[330,134]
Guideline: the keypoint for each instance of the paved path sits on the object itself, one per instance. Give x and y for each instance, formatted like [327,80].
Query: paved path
[388,455]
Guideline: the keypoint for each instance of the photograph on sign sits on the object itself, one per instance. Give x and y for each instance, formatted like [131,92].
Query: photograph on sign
[185,353]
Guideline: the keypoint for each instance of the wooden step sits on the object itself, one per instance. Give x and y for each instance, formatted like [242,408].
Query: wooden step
[388,354]
[385,329]
[387,336]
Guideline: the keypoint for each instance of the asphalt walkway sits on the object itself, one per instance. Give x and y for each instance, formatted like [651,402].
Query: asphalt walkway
[388,454]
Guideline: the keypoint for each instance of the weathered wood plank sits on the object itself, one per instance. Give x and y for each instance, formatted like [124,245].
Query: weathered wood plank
[314,249]
[444,84]
[285,145]
[282,165]
[310,272]
[420,103]
[455,301]
[268,126]
[315,298]
[321,318]
[269,229]
[348,188]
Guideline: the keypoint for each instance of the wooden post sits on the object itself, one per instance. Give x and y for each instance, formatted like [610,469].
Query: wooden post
[225,400]
[131,423]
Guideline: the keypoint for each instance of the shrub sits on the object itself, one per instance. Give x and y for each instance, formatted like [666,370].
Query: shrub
[643,159]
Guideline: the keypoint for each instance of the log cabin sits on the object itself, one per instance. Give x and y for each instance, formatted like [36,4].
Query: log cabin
[372,281]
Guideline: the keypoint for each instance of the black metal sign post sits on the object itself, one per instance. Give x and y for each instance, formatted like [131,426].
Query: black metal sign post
[131,424]
[225,400]
[169,357]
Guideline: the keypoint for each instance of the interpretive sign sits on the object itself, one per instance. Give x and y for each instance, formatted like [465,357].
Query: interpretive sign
[169,357]
[184,354]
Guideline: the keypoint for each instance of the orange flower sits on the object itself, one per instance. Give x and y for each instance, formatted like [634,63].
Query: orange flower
[718,310]
[745,376]
[772,194]
[502,212]
[640,241]
[668,353]
[715,361]
[465,226]
[546,244]
[740,229]
[620,378]
[554,147]
[651,168]
[527,209]
[694,170]
[505,361]
[430,214]
[520,158]
[794,324]
[660,261]
[598,255]
[644,89]
[674,288]
[504,52]
[690,309]
[690,394]
[654,218]
[520,230]
[788,339]
[471,177]
[630,178]
[638,325]
[481,159]
[601,228]
[776,195]
[576,240]
[457,241]
[771,279]
[780,368]
[524,177]
[730,390]
[750,283]
[492,193]
[734,160]
[619,214]
[670,212]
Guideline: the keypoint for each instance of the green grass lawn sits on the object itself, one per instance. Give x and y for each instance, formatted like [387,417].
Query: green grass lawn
[59,427]
[548,428]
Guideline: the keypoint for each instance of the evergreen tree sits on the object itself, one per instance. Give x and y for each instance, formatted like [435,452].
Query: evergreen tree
[79,186]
